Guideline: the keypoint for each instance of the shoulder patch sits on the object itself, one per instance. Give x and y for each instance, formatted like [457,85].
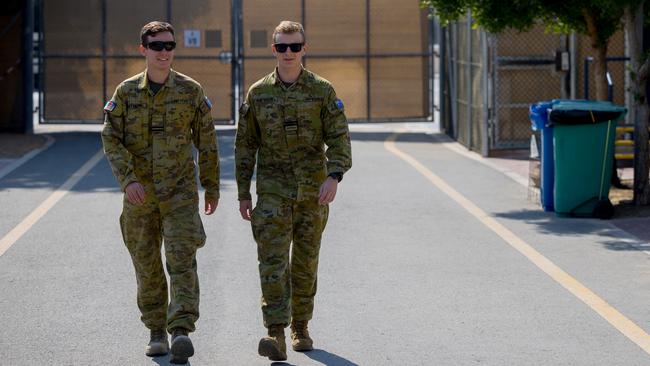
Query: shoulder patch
[110,106]
[243,109]
[206,105]
[338,103]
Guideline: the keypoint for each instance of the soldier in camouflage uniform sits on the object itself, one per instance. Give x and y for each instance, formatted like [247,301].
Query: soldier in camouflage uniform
[288,118]
[151,122]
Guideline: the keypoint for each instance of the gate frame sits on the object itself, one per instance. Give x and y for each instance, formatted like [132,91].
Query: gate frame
[236,58]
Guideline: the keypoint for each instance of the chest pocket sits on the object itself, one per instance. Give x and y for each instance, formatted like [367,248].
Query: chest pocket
[310,126]
[136,128]
[269,114]
[180,113]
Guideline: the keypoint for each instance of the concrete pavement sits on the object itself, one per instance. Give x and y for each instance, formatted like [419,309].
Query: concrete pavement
[410,274]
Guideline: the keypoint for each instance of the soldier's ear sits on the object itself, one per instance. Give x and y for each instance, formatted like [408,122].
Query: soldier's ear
[143,50]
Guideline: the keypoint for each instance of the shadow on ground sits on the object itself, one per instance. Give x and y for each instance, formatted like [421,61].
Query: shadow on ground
[70,150]
[329,359]
[548,223]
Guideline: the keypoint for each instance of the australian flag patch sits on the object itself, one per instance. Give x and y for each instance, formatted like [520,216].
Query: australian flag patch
[110,106]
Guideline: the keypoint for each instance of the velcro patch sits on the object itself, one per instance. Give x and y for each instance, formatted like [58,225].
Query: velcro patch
[206,105]
[110,106]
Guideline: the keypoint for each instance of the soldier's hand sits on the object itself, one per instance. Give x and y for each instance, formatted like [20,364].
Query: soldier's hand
[211,205]
[135,193]
[245,209]
[328,191]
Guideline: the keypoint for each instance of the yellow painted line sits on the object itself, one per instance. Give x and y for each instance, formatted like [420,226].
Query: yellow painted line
[596,303]
[17,232]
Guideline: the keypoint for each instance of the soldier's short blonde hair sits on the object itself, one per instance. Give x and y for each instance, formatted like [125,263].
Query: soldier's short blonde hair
[153,28]
[289,27]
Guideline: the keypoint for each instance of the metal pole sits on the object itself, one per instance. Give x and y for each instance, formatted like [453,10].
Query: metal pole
[28,66]
[573,57]
[470,92]
[304,25]
[485,149]
[41,62]
[169,11]
[444,69]
[432,66]
[368,60]
[234,45]
[453,77]
[104,46]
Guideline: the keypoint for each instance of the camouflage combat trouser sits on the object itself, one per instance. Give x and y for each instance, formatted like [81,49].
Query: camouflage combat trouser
[288,287]
[143,229]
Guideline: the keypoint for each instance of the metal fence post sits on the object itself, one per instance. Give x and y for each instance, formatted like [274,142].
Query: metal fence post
[442,78]
[470,93]
[573,58]
[485,148]
[28,66]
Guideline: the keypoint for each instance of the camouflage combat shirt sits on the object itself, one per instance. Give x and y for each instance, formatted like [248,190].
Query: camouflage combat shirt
[286,129]
[148,138]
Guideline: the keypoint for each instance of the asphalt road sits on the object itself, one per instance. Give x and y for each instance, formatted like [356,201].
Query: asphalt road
[422,263]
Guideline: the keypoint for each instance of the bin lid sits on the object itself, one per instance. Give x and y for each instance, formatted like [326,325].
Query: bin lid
[577,112]
[538,114]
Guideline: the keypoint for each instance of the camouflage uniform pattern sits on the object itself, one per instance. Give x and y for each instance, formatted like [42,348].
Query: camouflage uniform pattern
[284,131]
[148,139]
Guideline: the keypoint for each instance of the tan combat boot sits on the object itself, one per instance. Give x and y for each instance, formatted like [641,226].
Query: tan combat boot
[158,345]
[300,340]
[274,347]
[182,347]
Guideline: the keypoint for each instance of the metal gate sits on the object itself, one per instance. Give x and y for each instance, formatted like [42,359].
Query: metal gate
[488,81]
[378,54]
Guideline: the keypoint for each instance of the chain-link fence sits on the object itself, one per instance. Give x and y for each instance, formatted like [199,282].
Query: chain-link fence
[488,81]
[524,73]
[464,107]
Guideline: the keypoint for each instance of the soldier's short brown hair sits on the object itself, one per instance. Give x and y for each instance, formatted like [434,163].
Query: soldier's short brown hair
[289,27]
[153,28]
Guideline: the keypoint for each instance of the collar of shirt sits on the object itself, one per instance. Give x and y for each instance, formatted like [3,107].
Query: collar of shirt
[143,83]
[302,78]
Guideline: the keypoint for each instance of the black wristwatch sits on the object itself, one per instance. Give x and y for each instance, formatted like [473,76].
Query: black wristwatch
[336,175]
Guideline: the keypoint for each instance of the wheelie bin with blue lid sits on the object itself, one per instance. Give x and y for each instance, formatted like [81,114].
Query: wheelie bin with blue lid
[538,114]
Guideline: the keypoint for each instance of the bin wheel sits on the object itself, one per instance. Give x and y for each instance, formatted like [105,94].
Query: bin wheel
[604,209]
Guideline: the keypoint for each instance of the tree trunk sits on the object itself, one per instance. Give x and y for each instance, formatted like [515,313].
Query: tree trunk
[599,50]
[639,77]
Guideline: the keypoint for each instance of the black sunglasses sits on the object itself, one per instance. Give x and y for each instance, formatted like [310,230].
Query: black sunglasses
[159,45]
[282,47]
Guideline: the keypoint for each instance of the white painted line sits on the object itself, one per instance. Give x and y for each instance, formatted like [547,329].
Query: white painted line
[17,232]
[596,303]
[25,158]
